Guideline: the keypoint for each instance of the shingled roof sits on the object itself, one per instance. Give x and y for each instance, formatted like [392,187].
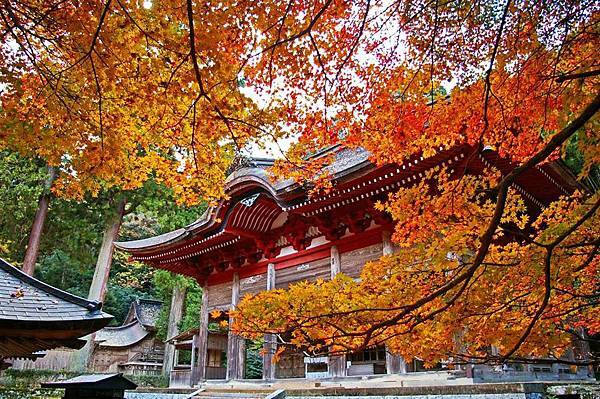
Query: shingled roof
[138,324]
[35,316]
[122,336]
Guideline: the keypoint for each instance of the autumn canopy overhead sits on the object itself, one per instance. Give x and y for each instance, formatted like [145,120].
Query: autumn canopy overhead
[117,92]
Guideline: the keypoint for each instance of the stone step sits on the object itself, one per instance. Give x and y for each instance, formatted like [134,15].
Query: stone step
[220,395]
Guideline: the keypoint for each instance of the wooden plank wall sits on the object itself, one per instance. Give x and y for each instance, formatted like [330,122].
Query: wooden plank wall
[56,359]
[290,365]
[219,296]
[353,261]
[308,271]
[253,285]
[216,341]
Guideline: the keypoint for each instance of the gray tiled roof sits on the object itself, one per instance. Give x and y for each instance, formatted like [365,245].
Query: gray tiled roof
[24,298]
[121,336]
[165,238]
[141,319]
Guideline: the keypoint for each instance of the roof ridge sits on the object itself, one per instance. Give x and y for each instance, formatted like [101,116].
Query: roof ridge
[19,274]
[123,326]
[156,301]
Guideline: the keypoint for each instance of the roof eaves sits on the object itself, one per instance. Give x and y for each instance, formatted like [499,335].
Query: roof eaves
[19,274]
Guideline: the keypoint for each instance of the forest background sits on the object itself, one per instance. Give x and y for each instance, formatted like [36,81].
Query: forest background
[72,237]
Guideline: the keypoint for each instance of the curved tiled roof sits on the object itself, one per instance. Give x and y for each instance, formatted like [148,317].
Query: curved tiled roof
[35,316]
[257,206]
[147,311]
[121,336]
[345,162]
[166,238]
[139,322]
[25,298]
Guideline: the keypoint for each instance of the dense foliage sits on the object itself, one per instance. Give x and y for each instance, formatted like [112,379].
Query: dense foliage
[119,93]
[165,281]
[73,233]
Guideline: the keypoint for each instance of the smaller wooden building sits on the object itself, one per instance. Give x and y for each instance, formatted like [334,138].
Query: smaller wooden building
[35,316]
[131,348]
[186,353]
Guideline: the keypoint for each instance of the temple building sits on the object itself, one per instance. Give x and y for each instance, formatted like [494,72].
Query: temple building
[268,235]
[36,317]
[131,348]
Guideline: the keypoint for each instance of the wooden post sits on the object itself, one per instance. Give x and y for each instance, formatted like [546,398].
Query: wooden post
[270,345]
[236,347]
[336,266]
[33,245]
[199,367]
[394,364]
[177,300]
[194,362]
[337,364]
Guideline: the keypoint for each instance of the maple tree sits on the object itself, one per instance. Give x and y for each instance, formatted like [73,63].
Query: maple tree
[116,92]
[473,269]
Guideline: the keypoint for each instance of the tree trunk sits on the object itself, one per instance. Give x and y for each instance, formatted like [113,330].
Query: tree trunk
[33,246]
[111,231]
[98,287]
[175,314]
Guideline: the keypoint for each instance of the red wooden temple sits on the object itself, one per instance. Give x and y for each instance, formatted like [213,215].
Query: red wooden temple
[269,235]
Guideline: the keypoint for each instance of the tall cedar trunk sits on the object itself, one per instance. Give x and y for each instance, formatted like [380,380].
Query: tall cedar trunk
[175,314]
[111,231]
[33,246]
[98,287]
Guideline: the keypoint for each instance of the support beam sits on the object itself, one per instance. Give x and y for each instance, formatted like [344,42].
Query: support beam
[270,346]
[175,314]
[394,364]
[337,364]
[236,346]
[201,341]
[336,266]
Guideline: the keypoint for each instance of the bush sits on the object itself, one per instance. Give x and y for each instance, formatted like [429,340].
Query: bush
[14,393]
[28,379]
[153,381]
[254,361]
